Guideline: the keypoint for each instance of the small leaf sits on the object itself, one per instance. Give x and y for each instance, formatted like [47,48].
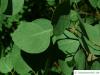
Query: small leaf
[98,4]
[19,64]
[17,6]
[62,24]
[68,45]
[51,2]
[65,68]
[95,65]
[6,64]
[94,49]
[32,37]
[80,60]
[69,34]
[73,15]
[93,33]
[3,5]
[93,3]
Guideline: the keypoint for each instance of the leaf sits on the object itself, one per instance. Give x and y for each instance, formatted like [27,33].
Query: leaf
[62,24]
[95,65]
[93,3]
[17,6]
[65,68]
[75,1]
[69,34]
[51,2]
[80,60]
[19,64]
[98,4]
[94,49]
[73,15]
[61,9]
[3,5]
[93,33]
[68,45]
[31,37]
[6,64]
[44,23]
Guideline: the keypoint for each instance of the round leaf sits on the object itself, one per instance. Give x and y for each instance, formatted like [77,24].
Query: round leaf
[31,37]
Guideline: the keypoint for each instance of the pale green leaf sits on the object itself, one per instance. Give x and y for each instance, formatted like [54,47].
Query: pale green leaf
[95,65]
[93,33]
[6,64]
[80,60]
[68,45]
[3,5]
[32,37]
[17,6]
[69,34]
[19,64]
[65,68]
[73,15]
[44,23]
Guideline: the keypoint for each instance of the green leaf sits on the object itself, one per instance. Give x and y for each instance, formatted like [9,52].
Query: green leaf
[93,33]
[65,68]
[80,60]
[75,1]
[6,64]
[17,6]
[68,45]
[93,3]
[51,2]
[73,15]
[44,23]
[98,4]
[3,5]
[19,64]
[31,37]
[62,24]
[69,34]
[95,65]
[94,49]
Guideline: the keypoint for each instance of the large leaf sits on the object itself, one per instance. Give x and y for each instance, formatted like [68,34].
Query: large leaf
[62,24]
[3,5]
[32,37]
[6,64]
[93,33]
[17,6]
[68,45]
[65,68]
[80,59]
[95,65]
[19,64]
